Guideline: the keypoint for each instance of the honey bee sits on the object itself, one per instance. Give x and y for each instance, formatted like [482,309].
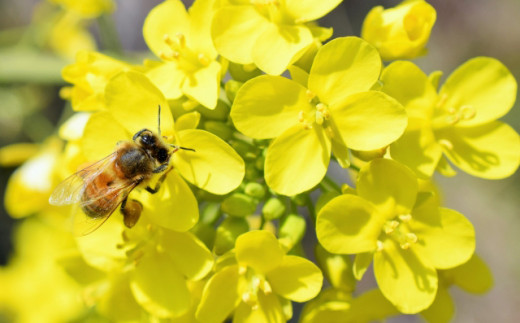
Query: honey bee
[102,187]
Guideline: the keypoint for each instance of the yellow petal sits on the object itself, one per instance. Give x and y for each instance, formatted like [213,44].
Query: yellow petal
[349,224]
[369,120]
[235,30]
[268,309]
[167,18]
[490,151]
[220,296]
[280,45]
[485,85]
[342,67]
[190,255]
[391,186]
[168,78]
[405,280]
[296,279]
[163,295]
[473,276]
[174,206]
[201,14]
[214,166]
[447,236]
[405,82]
[134,101]
[268,105]
[307,10]
[442,309]
[260,250]
[297,160]
[204,85]
[418,149]
[101,135]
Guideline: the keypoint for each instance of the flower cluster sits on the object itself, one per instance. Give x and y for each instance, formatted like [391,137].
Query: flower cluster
[254,105]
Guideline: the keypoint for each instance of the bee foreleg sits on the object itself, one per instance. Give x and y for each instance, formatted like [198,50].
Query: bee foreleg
[131,211]
[137,134]
[160,168]
[159,182]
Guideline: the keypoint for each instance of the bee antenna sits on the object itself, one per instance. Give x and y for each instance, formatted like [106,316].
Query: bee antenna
[159,121]
[183,148]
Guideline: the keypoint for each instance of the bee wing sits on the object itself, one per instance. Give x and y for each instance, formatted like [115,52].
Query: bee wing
[112,197]
[70,190]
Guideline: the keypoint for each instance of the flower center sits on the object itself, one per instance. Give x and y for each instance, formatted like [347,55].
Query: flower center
[271,9]
[185,58]
[255,283]
[451,115]
[398,230]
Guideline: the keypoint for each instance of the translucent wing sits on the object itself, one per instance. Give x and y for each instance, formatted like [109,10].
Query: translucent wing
[106,203]
[71,189]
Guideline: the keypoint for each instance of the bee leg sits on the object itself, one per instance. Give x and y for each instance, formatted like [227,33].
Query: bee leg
[160,168]
[159,182]
[131,211]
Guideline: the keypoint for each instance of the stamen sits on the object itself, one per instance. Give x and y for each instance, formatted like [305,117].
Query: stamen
[405,217]
[467,112]
[166,57]
[242,270]
[391,226]
[411,237]
[181,39]
[405,245]
[301,116]
[442,99]
[246,297]
[380,245]
[453,119]
[319,117]
[266,287]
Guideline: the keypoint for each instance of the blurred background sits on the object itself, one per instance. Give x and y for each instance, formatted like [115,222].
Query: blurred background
[31,59]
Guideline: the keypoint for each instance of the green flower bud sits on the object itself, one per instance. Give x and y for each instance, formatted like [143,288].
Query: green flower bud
[259,162]
[232,88]
[218,128]
[292,229]
[252,173]
[273,209]
[227,233]
[210,213]
[255,190]
[239,204]
[205,232]
[243,73]
[244,149]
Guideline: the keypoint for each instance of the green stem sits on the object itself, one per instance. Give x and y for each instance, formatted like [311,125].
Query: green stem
[310,207]
[354,167]
[328,185]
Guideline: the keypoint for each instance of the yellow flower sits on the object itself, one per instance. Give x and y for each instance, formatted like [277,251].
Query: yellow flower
[333,109]
[404,231]
[459,122]
[34,286]
[182,40]
[261,284]
[269,33]
[89,76]
[132,105]
[400,32]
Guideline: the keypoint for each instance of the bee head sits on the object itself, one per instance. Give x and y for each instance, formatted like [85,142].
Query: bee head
[153,144]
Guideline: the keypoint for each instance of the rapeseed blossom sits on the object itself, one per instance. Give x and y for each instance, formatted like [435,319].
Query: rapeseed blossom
[229,232]
[400,32]
[334,110]
[405,231]
[272,34]
[459,122]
